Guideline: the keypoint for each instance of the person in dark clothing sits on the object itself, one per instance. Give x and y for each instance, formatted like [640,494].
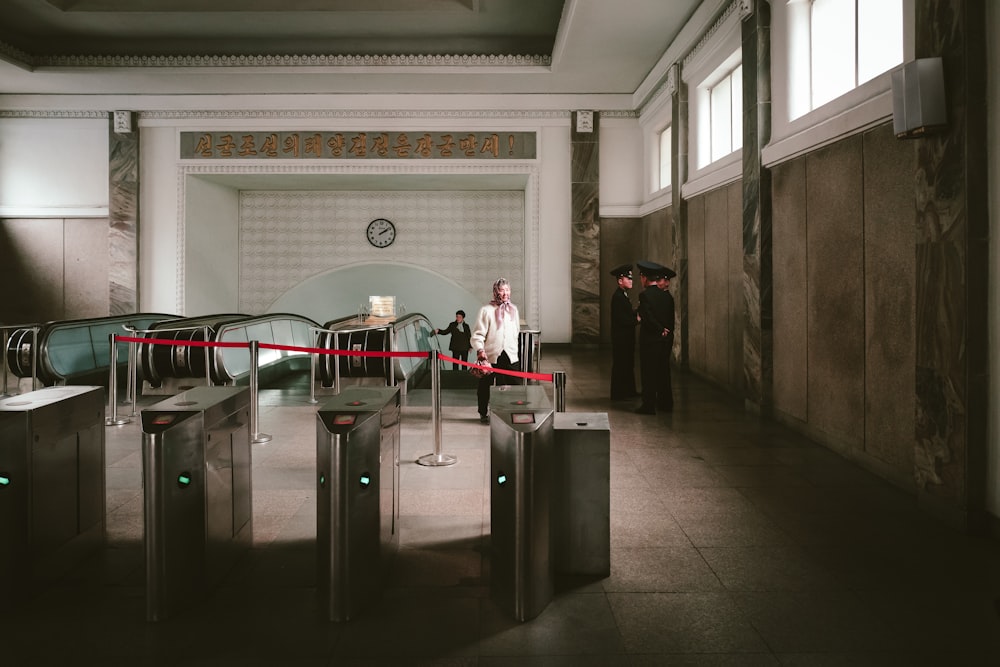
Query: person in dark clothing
[461,336]
[623,323]
[656,338]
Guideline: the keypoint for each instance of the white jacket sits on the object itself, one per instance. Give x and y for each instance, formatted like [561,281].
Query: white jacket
[487,336]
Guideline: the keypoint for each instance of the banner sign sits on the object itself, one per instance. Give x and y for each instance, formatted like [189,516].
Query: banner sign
[353,145]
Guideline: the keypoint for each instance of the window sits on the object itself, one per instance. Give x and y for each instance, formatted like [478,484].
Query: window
[850,43]
[666,144]
[726,116]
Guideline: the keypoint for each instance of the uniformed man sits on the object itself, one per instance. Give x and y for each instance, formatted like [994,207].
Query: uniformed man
[656,338]
[623,323]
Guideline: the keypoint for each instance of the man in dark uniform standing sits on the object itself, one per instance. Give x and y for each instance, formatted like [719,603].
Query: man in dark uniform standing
[656,338]
[623,324]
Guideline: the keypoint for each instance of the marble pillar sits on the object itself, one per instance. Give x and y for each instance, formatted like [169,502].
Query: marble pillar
[758,361]
[952,231]
[586,242]
[123,216]
[679,128]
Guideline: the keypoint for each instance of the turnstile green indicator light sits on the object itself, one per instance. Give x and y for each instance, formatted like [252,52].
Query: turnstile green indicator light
[365,480]
[4,480]
[184,480]
[322,480]
[501,479]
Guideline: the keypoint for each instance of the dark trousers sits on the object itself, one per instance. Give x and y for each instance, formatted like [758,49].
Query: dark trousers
[459,354]
[487,381]
[654,365]
[623,364]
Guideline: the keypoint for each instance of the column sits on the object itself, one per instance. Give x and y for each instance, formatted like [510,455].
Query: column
[586,243]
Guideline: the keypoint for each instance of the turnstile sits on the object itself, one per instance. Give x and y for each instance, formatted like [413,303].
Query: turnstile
[581,496]
[357,498]
[521,435]
[51,483]
[197,493]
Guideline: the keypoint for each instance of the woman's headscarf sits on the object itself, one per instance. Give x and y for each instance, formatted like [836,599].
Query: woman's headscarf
[501,306]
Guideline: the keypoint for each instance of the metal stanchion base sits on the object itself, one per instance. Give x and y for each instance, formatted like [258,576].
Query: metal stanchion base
[437,460]
[117,421]
[258,438]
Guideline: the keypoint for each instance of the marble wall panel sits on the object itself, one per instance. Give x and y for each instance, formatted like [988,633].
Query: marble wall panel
[123,211]
[694,287]
[586,234]
[890,298]
[791,369]
[31,270]
[716,296]
[836,326]
[736,278]
[86,268]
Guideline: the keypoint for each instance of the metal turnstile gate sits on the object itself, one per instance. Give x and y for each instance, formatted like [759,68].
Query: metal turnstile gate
[581,497]
[197,493]
[521,434]
[52,501]
[357,499]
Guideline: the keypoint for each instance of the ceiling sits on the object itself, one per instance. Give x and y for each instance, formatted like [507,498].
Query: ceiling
[387,47]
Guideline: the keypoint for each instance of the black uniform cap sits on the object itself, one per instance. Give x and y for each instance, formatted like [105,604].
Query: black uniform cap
[652,269]
[623,270]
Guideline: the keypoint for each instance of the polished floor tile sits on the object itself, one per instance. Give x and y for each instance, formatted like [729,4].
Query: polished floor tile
[734,542]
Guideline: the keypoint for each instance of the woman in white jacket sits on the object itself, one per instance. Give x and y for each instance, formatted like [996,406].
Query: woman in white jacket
[495,339]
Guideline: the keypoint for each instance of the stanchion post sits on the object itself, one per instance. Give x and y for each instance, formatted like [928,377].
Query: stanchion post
[114,419]
[133,372]
[6,369]
[559,384]
[336,364]
[208,361]
[312,377]
[34,358]
[256,437]
[436,458]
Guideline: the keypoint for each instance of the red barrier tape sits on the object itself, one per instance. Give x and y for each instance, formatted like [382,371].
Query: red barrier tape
[518,374]
[322,350]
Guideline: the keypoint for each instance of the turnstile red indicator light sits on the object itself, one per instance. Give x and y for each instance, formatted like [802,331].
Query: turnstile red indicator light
[4,479]
[365,480]
[519,402]
[344,420]
[184,480]
[522,418]
[163,420]
[356,403]
[501,479]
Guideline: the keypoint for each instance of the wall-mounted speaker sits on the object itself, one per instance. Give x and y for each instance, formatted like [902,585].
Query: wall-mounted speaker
[918,105]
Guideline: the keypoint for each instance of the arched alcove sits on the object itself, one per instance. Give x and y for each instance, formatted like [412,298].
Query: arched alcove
[340,292]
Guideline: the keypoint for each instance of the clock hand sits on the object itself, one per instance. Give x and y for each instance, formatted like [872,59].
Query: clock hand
[383,231]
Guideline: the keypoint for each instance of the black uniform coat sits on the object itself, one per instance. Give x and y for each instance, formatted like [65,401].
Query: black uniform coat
[622,346]
[656,313]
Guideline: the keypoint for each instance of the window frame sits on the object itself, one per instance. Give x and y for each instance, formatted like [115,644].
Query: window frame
[712,61]
[859,109]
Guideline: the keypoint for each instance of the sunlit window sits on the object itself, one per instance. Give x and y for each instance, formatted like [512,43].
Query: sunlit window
[665,155]
[850,43]
[726,116]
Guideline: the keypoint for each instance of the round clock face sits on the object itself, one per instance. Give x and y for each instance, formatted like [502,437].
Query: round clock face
[381,232]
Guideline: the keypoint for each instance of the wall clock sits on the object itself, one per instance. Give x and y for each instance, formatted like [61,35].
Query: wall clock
[381,233]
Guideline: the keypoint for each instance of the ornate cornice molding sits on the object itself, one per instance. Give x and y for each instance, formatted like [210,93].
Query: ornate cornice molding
[15,55]
[619,113]
[707,37]
[282,114]
[282,61]
[52,113]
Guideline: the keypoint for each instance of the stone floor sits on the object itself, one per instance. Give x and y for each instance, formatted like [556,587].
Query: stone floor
[734,542]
